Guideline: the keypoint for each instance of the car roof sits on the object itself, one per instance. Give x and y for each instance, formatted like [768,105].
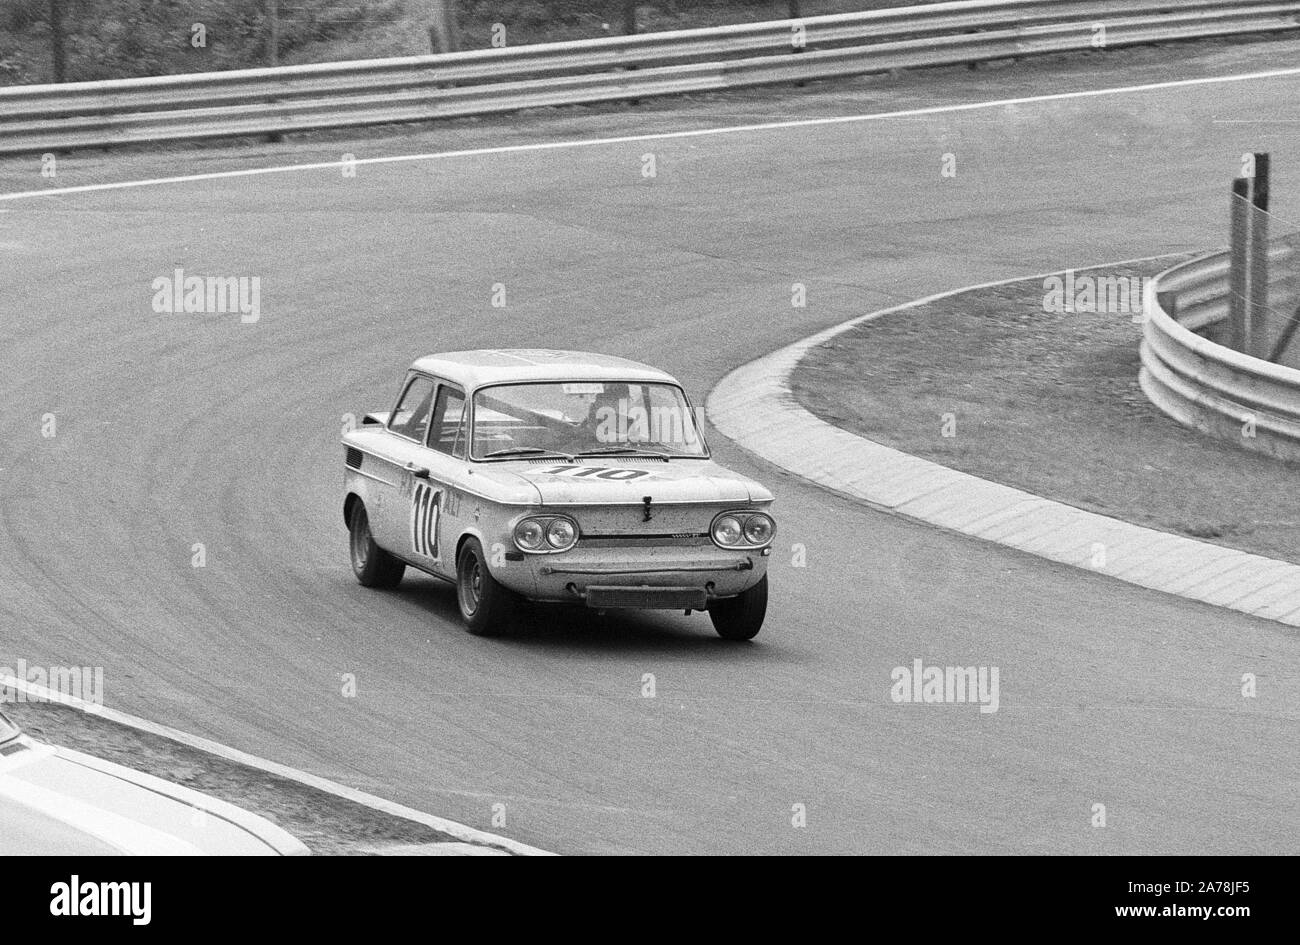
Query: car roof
[497,365]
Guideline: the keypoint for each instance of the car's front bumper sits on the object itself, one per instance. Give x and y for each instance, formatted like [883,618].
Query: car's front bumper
[669,578]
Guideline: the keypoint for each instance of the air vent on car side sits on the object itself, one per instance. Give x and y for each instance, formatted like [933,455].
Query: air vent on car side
[354,457]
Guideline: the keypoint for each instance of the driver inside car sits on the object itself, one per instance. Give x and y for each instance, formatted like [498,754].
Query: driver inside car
[602,424]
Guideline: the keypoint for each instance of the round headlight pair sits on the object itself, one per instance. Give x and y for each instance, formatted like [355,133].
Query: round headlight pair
[742,529]
[545,533]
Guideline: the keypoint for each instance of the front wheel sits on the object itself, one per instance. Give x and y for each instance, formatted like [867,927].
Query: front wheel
[373,566]
[741,617]
[486,605]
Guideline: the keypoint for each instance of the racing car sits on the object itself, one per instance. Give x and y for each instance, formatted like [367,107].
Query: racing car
[554,476]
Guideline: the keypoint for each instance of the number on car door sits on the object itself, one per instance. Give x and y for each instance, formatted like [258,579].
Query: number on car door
[444,457]
[426,505]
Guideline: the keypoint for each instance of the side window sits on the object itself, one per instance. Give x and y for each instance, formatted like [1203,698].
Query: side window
[411,418]
[447,433]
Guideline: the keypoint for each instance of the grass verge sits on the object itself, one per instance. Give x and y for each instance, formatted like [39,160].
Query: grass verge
[1048,402]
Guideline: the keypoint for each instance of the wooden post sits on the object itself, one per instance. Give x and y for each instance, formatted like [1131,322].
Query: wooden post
[57,52]
[273,32]
[1257,332]
[1238,272]
[444,31]
[273,51]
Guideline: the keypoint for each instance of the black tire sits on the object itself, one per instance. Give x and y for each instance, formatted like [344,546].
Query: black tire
[373,566]
[741,617]
[486,606]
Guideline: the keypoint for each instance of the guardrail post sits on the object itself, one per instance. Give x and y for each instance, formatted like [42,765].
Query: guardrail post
[629,27]
[1257,333]
[1238,273]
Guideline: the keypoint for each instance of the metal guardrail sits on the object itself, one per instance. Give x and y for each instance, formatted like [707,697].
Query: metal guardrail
[1212,388]
[1197,296]
[421,88]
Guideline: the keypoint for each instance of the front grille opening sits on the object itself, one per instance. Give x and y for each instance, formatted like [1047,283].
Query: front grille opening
[644,536]
[641,597]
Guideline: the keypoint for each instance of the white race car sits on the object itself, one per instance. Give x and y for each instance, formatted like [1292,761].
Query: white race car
[554,476]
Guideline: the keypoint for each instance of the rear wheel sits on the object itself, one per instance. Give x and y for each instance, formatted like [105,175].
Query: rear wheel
[486,606]
[740,617]
[373,566]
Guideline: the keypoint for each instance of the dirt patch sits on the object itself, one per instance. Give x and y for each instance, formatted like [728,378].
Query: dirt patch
[1049,402]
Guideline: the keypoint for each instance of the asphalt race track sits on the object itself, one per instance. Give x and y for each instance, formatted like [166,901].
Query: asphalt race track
[180,429]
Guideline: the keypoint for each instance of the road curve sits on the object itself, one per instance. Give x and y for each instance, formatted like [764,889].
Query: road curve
[174,430]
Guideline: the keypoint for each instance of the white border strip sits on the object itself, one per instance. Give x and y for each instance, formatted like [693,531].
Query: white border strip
[721,407]
[450,827]
[659,136]
[754,406]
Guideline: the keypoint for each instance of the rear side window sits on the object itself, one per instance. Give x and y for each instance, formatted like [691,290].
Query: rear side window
[447,433]
[411,418]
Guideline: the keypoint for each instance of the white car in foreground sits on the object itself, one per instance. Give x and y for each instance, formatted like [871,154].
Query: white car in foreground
[554,476]
[60,802]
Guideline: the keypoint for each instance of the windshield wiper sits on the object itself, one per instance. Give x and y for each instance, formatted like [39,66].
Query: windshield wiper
[623,451]
[527,451]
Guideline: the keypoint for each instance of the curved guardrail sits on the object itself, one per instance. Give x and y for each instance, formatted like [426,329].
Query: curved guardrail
[383,91]
[1205,385]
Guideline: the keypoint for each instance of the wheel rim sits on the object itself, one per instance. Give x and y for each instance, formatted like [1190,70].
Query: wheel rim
[360,541]
[471,584]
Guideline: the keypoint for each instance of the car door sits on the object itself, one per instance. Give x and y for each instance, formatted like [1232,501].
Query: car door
[435,491]
[407,428]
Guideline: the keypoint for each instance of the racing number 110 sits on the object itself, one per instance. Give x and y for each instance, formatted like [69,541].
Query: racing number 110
[426,503]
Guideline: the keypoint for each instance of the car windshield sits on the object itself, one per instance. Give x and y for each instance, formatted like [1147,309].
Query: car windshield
[583,418]
[8,729]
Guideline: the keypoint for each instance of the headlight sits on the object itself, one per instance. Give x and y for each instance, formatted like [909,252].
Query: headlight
[726,530]
[742,529]
[546,533]
[529,534]
[561,533]
[758,529]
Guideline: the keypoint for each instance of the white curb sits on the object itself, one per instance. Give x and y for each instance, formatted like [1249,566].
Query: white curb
[754,406]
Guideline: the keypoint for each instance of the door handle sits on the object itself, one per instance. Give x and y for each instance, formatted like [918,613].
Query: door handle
[419,472]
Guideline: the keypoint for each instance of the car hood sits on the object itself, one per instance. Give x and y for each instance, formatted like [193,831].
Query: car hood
[615,481]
